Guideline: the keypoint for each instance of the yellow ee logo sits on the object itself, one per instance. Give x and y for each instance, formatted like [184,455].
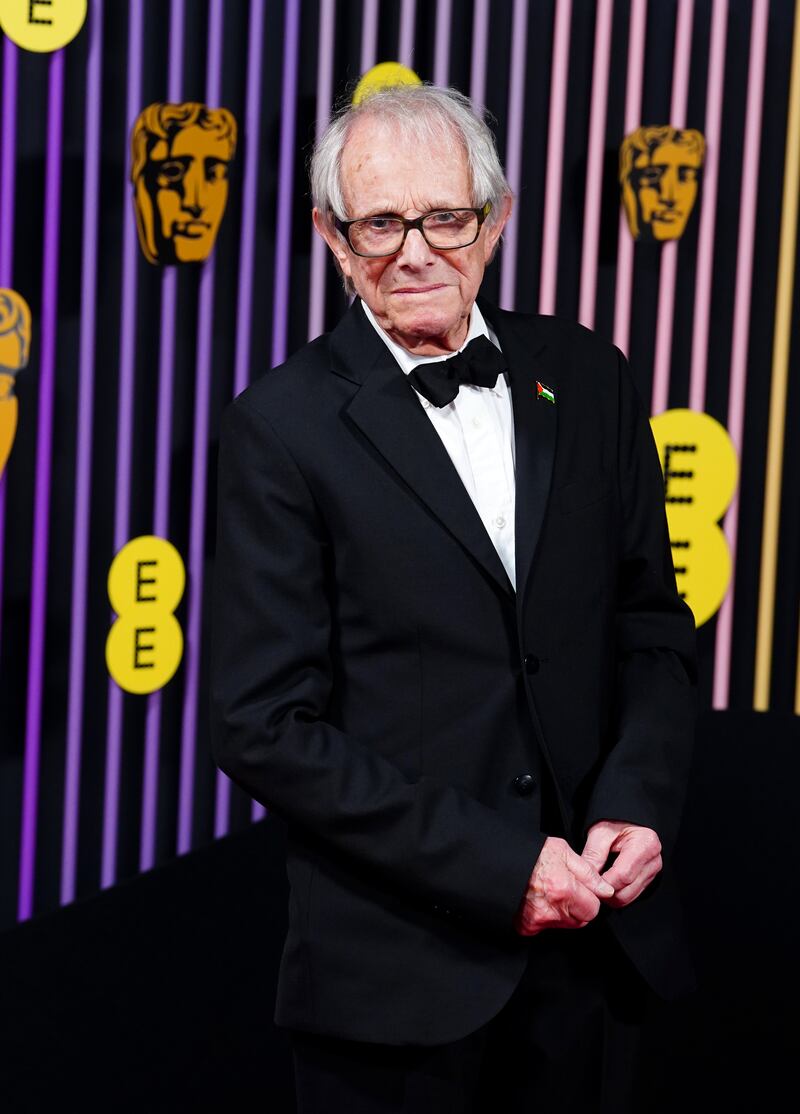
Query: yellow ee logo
[383,76]
[42,25]
[145,585]
[700,476]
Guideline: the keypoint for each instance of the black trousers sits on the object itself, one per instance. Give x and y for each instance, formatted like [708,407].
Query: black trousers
[566,1041]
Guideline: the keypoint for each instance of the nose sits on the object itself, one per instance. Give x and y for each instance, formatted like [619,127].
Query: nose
[415,252]
[193,189]
[668,184]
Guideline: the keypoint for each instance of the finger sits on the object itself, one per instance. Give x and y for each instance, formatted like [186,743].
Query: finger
[597,846]
[624,895]
[588,876]
[628,868]
[629,894]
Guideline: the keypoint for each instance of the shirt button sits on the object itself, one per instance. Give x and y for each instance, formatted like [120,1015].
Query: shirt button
[426,403]
[499,522]
[476,422]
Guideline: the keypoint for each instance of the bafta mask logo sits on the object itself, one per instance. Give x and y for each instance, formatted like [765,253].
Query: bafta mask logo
[659,171]
[15,346]
[180,159]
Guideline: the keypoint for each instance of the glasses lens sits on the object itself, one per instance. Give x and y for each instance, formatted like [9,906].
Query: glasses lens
[451,228]
[376,235]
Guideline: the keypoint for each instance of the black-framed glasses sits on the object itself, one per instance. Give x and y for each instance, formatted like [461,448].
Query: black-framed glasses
[385,233]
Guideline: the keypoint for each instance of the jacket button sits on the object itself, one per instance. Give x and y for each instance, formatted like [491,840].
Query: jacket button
[531,663]
[525,784]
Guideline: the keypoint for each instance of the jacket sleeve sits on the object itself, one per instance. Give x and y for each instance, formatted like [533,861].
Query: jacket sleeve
[271,679]
[644,777]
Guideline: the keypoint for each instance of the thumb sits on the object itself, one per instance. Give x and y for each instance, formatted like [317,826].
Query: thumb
[597,847]
[587,874]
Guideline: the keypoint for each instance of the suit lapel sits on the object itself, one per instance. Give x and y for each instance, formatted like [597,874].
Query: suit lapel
[535,427]
[387,412]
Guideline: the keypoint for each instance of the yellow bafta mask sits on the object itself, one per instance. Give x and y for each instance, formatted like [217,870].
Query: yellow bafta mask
[180,159]
[659,171]
[15,346]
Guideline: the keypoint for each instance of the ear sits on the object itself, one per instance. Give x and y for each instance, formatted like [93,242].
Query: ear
[325,227]
[494,231]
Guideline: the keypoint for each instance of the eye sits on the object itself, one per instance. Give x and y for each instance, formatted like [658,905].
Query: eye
[216,170]
[380,224]
[448,216]
[172,171]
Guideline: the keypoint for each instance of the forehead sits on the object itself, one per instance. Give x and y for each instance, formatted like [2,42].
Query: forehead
[192,141]
[382,171]
[669,154]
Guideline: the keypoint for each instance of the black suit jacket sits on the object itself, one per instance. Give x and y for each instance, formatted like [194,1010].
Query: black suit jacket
[378,684]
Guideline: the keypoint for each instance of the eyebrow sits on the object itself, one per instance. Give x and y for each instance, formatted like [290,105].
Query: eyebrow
[434,207]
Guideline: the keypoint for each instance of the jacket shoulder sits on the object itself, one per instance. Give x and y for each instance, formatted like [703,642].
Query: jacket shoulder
[296,381]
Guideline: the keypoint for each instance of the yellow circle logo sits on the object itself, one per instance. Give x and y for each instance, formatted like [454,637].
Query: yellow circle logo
[383,75]
[145,585]
[700,475]
[42,25]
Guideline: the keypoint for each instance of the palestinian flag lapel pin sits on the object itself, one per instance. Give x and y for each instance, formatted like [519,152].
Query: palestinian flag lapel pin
[544,392]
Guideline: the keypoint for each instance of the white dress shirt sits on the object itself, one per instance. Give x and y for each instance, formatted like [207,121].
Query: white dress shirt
[477,430]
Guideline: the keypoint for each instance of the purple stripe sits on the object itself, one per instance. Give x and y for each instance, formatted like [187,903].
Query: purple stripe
[319,250]
[408,18]
[122,487]
[83,466]
[197,523]
[283,233]
[480,50]
[516,116]
[44,446]
[8,147]
[166,370]
[369,34]
[244,308]
[441,50]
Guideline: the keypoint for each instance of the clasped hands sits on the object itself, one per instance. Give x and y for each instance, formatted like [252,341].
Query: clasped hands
[566,890]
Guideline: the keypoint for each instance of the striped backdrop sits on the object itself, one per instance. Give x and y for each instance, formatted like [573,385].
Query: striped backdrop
[132,365]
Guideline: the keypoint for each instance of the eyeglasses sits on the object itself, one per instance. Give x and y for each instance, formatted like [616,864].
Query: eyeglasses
[385,234]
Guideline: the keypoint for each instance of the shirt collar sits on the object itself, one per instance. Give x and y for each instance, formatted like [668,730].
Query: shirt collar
[478,327]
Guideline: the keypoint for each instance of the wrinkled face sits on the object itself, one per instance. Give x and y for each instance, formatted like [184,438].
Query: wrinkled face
[181,195]
[420,296]
[665,187]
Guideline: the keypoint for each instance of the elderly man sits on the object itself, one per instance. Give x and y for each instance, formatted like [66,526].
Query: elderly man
[448,651]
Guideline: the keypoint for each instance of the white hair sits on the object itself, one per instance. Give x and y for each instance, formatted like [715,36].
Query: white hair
[430,115]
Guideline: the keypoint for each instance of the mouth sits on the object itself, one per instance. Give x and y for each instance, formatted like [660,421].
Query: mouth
[420,289]
[191,228]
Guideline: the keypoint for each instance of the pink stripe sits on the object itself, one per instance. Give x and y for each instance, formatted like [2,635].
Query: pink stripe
[516,115]
[669,250]
[594,162]
[408,16]
[555,149]
[633,112]
[741,326]
[369,35]
[705,250]
[480,49]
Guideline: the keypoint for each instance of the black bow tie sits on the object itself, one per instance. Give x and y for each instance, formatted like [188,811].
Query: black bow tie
[479,363]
